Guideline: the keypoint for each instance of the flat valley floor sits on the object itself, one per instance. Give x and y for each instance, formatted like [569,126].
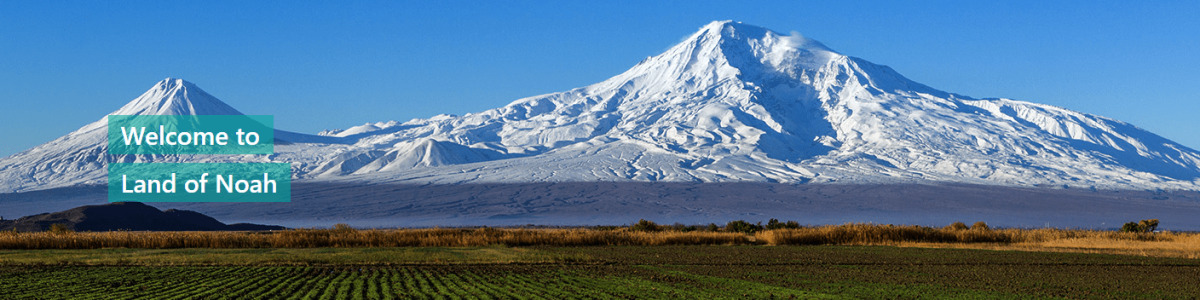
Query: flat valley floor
[496,272]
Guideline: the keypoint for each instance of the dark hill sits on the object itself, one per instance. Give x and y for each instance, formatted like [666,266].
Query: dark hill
[133,216]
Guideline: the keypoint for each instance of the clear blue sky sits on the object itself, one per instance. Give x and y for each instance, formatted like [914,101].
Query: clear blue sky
[335,64]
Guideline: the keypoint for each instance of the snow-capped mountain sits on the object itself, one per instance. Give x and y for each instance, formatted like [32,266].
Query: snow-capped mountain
[732,102]
[81,157]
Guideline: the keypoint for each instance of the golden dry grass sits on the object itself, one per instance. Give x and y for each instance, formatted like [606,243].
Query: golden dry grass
[872,234]
[1166,244]
[1161,244]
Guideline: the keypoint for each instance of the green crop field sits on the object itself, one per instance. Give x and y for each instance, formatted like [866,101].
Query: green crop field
[589,272]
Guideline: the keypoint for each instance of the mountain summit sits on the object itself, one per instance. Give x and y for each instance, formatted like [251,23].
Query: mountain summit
[730,103]
[173,96]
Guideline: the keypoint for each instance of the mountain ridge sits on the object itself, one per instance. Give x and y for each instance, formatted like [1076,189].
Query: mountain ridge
[126,216]
[731,102]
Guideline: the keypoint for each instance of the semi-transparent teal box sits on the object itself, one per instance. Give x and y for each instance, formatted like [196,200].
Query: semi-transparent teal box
[191,134]
[199,182]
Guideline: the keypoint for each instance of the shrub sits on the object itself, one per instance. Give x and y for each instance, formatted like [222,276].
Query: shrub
[681,227]
[957,226]
[713,227]
[60,228]
[980,226]
[343,228]
[647,226]
[1131,227]
[742,226]
[776,224]
[1148,225]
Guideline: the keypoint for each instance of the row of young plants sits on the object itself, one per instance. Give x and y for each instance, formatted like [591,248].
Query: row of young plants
[348,282]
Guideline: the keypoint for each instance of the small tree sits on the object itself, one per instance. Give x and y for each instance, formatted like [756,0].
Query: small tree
[713,227]
[1148,225]
[957,226]
[685,228]
[1130,227]
[644,225]
[774,224]
[742,226]
[980,226]
[60,228]
[343,228]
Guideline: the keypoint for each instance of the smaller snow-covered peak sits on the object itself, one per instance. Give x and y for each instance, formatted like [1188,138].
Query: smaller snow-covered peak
[173,96]
[171,82]
[170,96]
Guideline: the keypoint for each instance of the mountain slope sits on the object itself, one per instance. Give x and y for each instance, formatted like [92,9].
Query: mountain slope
[731,102]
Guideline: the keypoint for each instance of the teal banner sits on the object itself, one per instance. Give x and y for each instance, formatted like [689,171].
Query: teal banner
[199,182]
[191,134]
